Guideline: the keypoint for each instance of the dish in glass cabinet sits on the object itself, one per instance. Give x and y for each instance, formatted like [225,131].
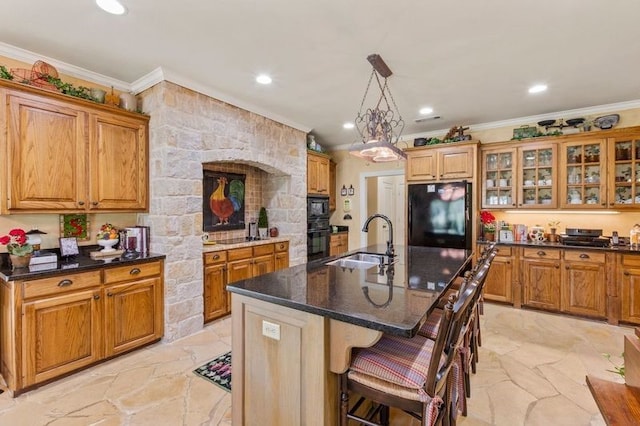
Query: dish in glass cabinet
[545,123]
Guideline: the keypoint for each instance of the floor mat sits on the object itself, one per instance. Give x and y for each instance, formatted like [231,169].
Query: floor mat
[217,371]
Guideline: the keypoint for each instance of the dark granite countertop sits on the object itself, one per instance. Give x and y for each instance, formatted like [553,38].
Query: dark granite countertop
[617,249]
[78,263]
[395,303]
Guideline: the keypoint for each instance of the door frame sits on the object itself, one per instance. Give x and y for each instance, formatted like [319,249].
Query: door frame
[363,198]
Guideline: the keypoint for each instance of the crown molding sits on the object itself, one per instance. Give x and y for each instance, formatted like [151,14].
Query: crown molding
[147,80]
[23,55]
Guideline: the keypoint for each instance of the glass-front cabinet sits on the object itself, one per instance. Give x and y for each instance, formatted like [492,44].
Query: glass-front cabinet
[624,172]
[537,176]
[583,174]
[498,179]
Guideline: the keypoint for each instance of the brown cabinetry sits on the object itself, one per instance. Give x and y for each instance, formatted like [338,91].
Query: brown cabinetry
[628,277]
[338,243]
[583,174]
[332,186]
[449,162]
[583,283]
[317,173]
[227,266]
[56,325]
[69,155]
[499,282]
[541,278]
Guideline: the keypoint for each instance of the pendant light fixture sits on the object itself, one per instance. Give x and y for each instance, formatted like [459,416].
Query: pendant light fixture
[379,126]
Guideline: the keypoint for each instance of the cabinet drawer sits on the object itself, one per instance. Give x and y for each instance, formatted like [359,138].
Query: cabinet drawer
[541,253]
[263,250]
[131,272]
[503,251]
[584,256]
[283,246]
[631,260]
[62,283]
[239,253]
[215,257]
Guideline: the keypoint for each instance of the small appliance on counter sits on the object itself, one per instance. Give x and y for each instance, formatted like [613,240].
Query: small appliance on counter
[584,237]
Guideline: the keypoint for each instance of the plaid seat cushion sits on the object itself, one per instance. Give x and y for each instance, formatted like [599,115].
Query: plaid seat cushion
[397,360]
[431,326]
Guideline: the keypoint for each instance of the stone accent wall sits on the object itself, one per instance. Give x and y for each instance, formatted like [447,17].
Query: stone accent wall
[186,130]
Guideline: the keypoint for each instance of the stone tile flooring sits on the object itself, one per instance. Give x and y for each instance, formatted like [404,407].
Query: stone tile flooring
[531,372]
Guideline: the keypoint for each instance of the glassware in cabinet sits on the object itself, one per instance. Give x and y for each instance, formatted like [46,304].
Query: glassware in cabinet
[624,173]
[537,176]
[497,183]
[581,182]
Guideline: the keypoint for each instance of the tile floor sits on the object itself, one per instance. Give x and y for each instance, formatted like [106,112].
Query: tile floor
[531,372]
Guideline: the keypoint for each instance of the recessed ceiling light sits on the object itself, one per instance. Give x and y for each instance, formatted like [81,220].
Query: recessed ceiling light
[426,110]
[348,125]
[111,6]
[538,88]
[263,79]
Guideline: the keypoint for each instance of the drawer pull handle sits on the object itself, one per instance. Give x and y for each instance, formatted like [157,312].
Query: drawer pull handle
[557,266]
[566,267]
[584,256]
[627,273]
[216,256]
[96,296]
[81,203]
[109,294]
[134,271]
[95,203]
[541,253]
[65,283]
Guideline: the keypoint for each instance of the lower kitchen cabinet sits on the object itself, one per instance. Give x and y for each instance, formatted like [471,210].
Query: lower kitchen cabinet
[226,266]
[583,283]
[628,277]
[338,243]
[55,325]
[499,282]
[541,278]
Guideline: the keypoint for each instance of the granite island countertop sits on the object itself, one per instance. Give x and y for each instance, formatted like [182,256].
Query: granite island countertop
[394,301]
[531,244]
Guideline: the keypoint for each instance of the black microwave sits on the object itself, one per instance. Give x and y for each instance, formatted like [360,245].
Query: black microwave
[317,207]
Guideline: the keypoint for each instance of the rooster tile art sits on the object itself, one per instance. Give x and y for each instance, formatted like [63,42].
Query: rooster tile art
[223,201]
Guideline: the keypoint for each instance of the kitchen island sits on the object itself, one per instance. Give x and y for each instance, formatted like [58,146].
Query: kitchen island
[293,330]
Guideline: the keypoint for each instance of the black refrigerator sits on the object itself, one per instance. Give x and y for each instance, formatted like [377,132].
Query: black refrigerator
[440,214]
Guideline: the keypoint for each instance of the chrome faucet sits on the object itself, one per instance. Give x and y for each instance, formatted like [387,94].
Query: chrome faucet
[365,228]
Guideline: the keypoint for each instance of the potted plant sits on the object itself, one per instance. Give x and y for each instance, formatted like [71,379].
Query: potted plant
[488,225]
[263,223]
[19,249]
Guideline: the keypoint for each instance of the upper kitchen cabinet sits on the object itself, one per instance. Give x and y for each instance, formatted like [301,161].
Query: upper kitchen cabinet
[332,186]
[454,161]
[317,173]
[583,174]
[624,172]
[70,155]
[520,176]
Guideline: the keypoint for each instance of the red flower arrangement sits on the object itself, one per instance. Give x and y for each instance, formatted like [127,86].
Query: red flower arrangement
[16,243]
[488,220]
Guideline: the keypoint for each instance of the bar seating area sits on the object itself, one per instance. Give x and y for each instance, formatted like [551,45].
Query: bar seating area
[427,375]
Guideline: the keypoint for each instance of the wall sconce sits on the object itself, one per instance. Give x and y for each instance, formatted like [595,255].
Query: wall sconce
[343,191]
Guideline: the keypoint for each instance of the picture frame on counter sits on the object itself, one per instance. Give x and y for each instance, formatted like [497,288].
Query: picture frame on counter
[69,246]
[506,235]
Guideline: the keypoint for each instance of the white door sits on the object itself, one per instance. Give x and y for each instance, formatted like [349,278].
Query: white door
[390,202]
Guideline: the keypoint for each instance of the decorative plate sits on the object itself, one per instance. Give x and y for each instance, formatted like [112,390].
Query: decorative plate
[606,121]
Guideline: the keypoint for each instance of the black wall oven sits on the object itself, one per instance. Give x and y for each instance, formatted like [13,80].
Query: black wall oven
[317,228]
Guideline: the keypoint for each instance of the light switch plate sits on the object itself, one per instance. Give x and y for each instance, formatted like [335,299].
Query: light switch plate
[271,330]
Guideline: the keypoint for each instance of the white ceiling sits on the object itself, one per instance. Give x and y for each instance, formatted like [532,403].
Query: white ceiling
[471,60]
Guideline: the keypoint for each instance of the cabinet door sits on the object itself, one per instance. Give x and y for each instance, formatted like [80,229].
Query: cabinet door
[537,176]
[317,174]
[456,162]
[624,173]
[281,260]
[499,281]
[118,163]
[262,265]
[541,283]
[239,270]
[583,288]
[422,165]
[498,178]
[583,174]
[332,186]
[628,274]
[133,315]
[215,294]
[47,150]
[61,334]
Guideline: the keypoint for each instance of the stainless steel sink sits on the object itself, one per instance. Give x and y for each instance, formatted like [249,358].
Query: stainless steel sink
[360,261]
